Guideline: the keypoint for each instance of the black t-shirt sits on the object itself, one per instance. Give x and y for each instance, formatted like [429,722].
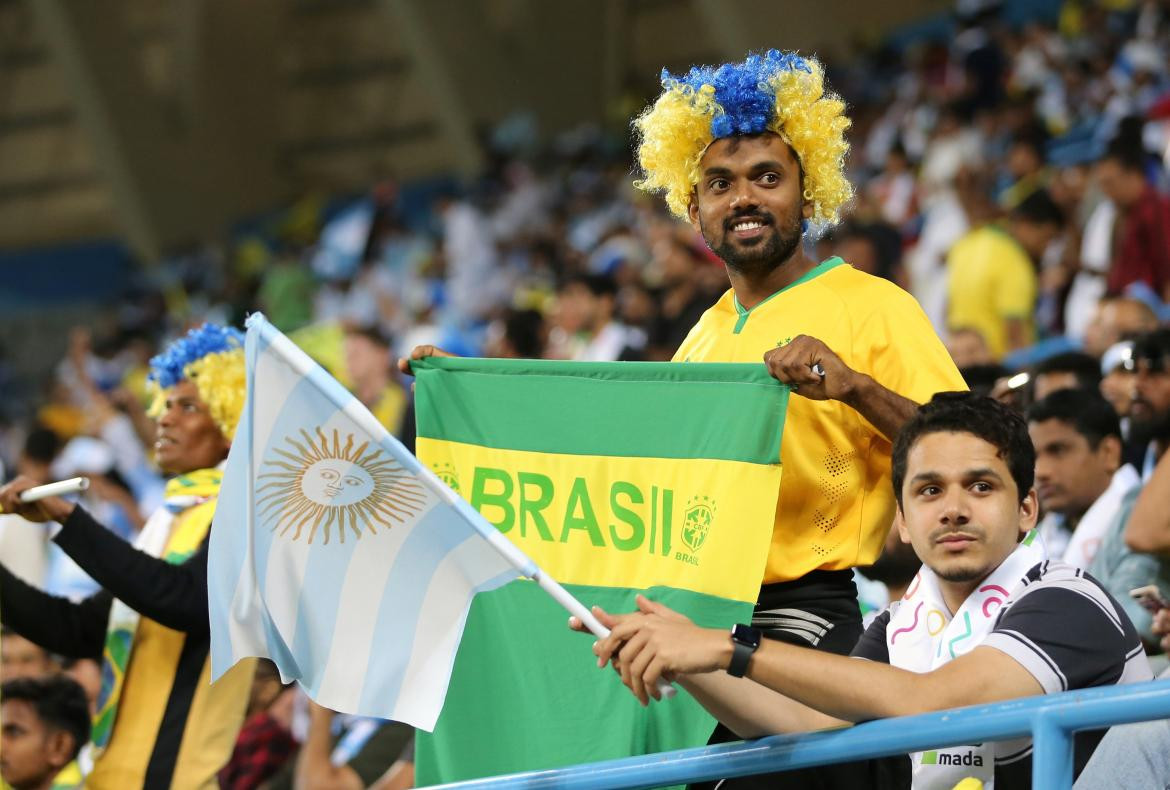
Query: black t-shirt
[1068,632]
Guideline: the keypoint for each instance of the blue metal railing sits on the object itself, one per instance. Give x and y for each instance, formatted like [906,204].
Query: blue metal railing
[1051,720]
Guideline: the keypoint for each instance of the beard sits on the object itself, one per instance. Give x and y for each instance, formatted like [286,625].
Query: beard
[963,573]
[768,253]
[1143,430]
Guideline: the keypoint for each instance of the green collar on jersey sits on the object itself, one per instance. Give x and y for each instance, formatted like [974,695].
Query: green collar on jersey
[816,271]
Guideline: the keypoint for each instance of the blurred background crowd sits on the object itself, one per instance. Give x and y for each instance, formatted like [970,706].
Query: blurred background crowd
[1011,168]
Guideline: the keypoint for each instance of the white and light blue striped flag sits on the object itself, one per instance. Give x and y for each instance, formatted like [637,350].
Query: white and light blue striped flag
[335,553]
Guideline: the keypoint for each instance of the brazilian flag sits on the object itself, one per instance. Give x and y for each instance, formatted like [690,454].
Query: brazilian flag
[616,478]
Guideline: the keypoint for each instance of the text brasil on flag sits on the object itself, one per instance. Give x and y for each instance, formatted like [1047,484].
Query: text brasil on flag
[615,478]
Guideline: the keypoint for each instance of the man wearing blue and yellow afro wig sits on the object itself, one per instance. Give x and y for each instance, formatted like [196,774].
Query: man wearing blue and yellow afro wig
[158,723]
[752,154]
[209,363]
[780,94]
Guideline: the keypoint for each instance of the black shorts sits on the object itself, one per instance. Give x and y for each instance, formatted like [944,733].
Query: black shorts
[818,610]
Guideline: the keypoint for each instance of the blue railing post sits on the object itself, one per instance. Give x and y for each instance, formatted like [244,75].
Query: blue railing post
[1052,753]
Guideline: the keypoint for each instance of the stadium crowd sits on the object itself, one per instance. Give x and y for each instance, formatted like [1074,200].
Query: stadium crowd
[1015,179]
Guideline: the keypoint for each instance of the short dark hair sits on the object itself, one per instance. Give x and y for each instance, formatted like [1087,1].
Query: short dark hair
[1127,153]
[978,415]
[371,333]
[883,238]
[1152,345]
[599,285]
[1039,208]
[42,444]
[1034,137]
[1085,410]
[981,379]
[59,702]
[524,329]
[1086,367]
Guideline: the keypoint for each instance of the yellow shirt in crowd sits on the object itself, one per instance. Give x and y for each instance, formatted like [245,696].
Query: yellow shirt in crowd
[990,280]
[836,503]
[68,778]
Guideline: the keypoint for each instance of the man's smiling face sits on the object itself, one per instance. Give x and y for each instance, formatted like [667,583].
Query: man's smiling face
[748,203]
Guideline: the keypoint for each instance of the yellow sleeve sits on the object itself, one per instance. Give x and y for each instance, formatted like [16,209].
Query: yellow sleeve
[684,348]
[1015,292]
[901,348]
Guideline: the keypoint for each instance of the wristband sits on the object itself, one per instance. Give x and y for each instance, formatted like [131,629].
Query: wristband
[745,640]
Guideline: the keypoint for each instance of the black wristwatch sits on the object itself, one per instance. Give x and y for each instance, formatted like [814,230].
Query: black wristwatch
[744,641]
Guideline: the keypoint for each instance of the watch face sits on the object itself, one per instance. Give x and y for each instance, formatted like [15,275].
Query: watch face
[746,635]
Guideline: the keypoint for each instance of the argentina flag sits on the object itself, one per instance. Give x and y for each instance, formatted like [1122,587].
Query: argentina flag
[335,553]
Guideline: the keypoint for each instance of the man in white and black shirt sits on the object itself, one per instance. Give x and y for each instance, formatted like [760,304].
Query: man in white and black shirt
[1065,630]
[987,619]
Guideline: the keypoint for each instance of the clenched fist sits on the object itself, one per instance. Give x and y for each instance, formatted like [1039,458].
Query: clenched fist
[812,369]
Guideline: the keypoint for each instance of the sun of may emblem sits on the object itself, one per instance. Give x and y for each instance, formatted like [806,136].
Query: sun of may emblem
[324,482]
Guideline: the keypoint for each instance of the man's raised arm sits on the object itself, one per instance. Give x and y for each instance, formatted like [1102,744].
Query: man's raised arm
[797,364]
[833,689]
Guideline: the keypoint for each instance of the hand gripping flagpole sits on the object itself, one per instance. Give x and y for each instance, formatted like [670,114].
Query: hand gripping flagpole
[524,564]
[73,485]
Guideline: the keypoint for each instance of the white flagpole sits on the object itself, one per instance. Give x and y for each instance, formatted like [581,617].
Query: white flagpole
[248,583]
[71,486]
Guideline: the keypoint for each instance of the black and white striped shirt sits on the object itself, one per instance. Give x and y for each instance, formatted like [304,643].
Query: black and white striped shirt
[1067,632]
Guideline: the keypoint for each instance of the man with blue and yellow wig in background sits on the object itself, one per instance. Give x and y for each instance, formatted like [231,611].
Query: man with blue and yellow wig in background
[752,154]
[158,723]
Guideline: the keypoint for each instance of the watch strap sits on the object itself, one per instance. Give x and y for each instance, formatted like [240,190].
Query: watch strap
[741,654]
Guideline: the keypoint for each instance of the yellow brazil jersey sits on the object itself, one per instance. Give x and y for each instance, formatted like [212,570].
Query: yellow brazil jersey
[68,778]
[390,407]
[990,279]
[836,503]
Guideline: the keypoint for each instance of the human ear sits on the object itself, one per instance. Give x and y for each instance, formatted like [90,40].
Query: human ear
[59,748]
[693,210]
[900,524]
[1110,449]
[1029,510]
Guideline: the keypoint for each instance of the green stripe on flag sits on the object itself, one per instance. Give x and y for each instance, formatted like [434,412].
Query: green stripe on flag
[640,409]
[564,708]
[526,692]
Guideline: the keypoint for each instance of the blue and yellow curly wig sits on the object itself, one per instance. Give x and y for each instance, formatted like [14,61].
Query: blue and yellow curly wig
[213,358]
[779,92]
